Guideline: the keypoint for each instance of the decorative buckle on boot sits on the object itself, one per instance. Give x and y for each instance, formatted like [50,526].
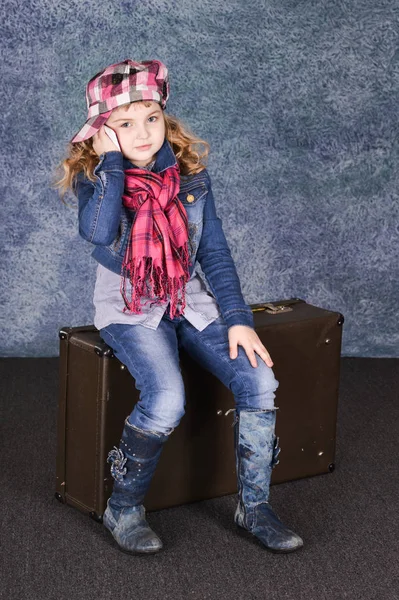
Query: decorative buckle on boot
[118,461]
[276,452]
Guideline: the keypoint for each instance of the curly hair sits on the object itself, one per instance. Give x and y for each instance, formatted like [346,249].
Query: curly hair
[185,145]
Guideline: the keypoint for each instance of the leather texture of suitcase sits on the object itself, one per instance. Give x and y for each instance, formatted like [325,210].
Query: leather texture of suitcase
[97,393]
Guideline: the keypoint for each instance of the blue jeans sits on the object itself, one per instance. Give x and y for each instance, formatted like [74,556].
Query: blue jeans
[152,357]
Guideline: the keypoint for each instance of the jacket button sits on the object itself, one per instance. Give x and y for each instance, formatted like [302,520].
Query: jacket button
[190,198]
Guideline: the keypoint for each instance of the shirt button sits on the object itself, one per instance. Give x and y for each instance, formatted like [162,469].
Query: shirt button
[190,198]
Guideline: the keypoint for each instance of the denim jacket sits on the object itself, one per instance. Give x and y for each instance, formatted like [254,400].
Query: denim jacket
[106,223]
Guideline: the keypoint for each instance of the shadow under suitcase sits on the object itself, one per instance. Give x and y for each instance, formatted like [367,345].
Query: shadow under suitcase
[97,393]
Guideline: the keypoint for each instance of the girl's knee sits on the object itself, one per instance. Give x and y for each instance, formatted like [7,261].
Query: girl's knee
[257,389]
[160,412]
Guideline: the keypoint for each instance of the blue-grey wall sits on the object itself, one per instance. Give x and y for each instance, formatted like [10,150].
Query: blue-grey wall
[299,101]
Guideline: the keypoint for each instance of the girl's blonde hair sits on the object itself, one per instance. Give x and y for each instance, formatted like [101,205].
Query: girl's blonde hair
[185,146]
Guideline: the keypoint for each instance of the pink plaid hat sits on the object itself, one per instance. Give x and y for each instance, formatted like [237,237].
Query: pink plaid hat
[120,84]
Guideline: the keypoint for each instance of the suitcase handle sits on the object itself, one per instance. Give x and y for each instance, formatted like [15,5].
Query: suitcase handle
[274,308]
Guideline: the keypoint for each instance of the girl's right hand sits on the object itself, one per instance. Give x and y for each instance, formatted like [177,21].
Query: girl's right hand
[103,143]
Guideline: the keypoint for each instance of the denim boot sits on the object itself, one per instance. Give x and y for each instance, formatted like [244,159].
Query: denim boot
[132,467]
[256,448]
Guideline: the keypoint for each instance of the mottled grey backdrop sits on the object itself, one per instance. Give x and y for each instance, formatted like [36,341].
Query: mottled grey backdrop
[299,101]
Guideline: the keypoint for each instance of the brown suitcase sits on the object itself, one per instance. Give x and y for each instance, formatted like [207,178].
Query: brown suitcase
[97,393]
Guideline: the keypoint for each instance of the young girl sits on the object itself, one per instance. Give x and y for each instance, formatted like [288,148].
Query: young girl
[146,204]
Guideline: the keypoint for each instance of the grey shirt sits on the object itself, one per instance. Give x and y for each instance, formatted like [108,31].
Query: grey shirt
[201,307]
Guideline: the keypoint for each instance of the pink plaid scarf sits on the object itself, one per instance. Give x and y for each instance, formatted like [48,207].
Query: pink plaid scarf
[156,261]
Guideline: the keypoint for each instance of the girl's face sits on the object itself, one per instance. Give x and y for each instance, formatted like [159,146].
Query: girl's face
[140,128]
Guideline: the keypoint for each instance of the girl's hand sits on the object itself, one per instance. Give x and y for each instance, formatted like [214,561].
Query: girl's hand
[103,143]
[248,338]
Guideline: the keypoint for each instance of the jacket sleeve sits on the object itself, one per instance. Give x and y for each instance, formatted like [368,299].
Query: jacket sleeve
[218,266]
[100,202]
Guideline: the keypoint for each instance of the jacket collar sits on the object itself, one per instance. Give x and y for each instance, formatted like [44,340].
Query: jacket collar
[165,159]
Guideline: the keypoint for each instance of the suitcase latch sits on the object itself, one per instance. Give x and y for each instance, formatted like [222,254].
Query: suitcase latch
[270,308]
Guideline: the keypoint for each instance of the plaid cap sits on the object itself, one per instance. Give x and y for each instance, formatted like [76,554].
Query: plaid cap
[120,84]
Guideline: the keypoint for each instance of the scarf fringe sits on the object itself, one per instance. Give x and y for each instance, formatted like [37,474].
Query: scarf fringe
[147,280]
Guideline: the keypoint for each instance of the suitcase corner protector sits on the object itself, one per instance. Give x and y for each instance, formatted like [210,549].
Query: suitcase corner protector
[102,349]
[59,497]
[63,333]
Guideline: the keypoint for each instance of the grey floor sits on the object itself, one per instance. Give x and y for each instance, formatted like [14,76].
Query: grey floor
[348,519]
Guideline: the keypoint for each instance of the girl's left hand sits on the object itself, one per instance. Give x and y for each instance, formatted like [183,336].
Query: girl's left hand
[249,339]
